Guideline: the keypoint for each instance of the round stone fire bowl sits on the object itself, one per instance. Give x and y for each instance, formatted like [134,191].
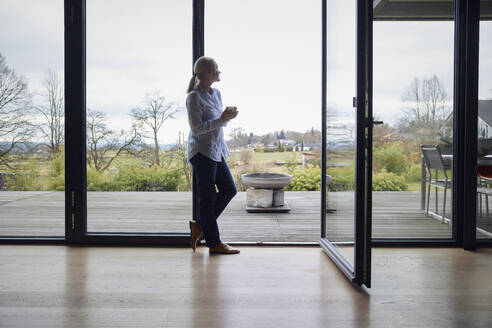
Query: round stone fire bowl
[266,180]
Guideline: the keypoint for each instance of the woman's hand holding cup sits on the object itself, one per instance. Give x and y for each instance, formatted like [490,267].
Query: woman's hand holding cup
[229,113]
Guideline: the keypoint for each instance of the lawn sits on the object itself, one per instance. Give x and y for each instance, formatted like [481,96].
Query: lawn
[268,157]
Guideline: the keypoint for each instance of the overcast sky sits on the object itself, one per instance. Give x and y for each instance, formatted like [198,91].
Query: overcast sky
[269,53]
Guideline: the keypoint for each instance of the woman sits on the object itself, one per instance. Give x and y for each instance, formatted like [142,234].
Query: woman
[207,151]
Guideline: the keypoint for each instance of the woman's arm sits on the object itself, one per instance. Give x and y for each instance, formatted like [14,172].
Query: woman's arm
[197,125]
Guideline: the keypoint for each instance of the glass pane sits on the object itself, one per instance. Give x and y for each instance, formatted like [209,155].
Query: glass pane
[341,125]
[413,96]
[32,179]
[139,57]
[271,71]
[484,180]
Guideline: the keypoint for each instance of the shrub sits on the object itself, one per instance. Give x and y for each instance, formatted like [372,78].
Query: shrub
[95,181]
[414,173]
[138,178]
[57,165]
[57,173]
[391,158]
[414,157]
[388,181]
[26,178]
[246,156]
[342,178]
[236,175]
[57,183]
[306,179]
[291,164]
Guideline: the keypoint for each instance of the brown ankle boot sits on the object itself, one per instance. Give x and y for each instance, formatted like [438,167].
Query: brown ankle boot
[223,248]
[196,234]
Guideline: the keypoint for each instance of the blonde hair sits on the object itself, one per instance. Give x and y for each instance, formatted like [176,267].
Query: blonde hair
[202,65]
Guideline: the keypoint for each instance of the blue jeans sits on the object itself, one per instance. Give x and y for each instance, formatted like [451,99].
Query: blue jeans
[211,203]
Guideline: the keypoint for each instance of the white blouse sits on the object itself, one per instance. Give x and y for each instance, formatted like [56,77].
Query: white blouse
[206,135]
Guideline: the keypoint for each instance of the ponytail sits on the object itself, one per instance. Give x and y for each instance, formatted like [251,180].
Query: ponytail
[192,84]
[202,65]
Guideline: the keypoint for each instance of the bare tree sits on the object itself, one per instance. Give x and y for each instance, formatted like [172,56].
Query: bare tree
[413,94]
[102,140]
[52,111]
[179,153]
[237,138]
[152,115]
[427,101]
[15,108]
[267,139]
[435,100]
[314,135]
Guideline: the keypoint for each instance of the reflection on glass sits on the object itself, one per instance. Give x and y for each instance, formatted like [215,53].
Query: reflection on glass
[138,68]
[268,53]
[412,150]
[32,142]
[341,119]
[484,178]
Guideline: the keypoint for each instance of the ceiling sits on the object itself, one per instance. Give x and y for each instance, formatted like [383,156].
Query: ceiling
[423,9]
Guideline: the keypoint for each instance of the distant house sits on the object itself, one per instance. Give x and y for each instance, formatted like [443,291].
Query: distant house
[485,118]
[308,146]
[287,142]
[484,121]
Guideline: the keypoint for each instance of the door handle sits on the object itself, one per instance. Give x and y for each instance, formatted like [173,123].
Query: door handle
[377,123]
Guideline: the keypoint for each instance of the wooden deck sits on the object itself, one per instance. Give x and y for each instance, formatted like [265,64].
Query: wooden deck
[395,215]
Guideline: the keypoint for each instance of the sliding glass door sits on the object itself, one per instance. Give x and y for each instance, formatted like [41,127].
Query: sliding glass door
[277,92]
[128,180]
[32,140]
[138,179]
[346,137]
[413,100]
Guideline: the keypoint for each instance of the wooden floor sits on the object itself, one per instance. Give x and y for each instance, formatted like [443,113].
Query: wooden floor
[395,215]
[299,287]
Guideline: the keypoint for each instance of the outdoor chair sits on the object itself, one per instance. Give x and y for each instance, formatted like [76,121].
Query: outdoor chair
[434,163]
[484,173]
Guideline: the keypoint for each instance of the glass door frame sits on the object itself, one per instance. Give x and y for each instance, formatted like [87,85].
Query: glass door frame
[465,110]
[457,226]
[76,143]
[468,42]
[478,12]
[360,272]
